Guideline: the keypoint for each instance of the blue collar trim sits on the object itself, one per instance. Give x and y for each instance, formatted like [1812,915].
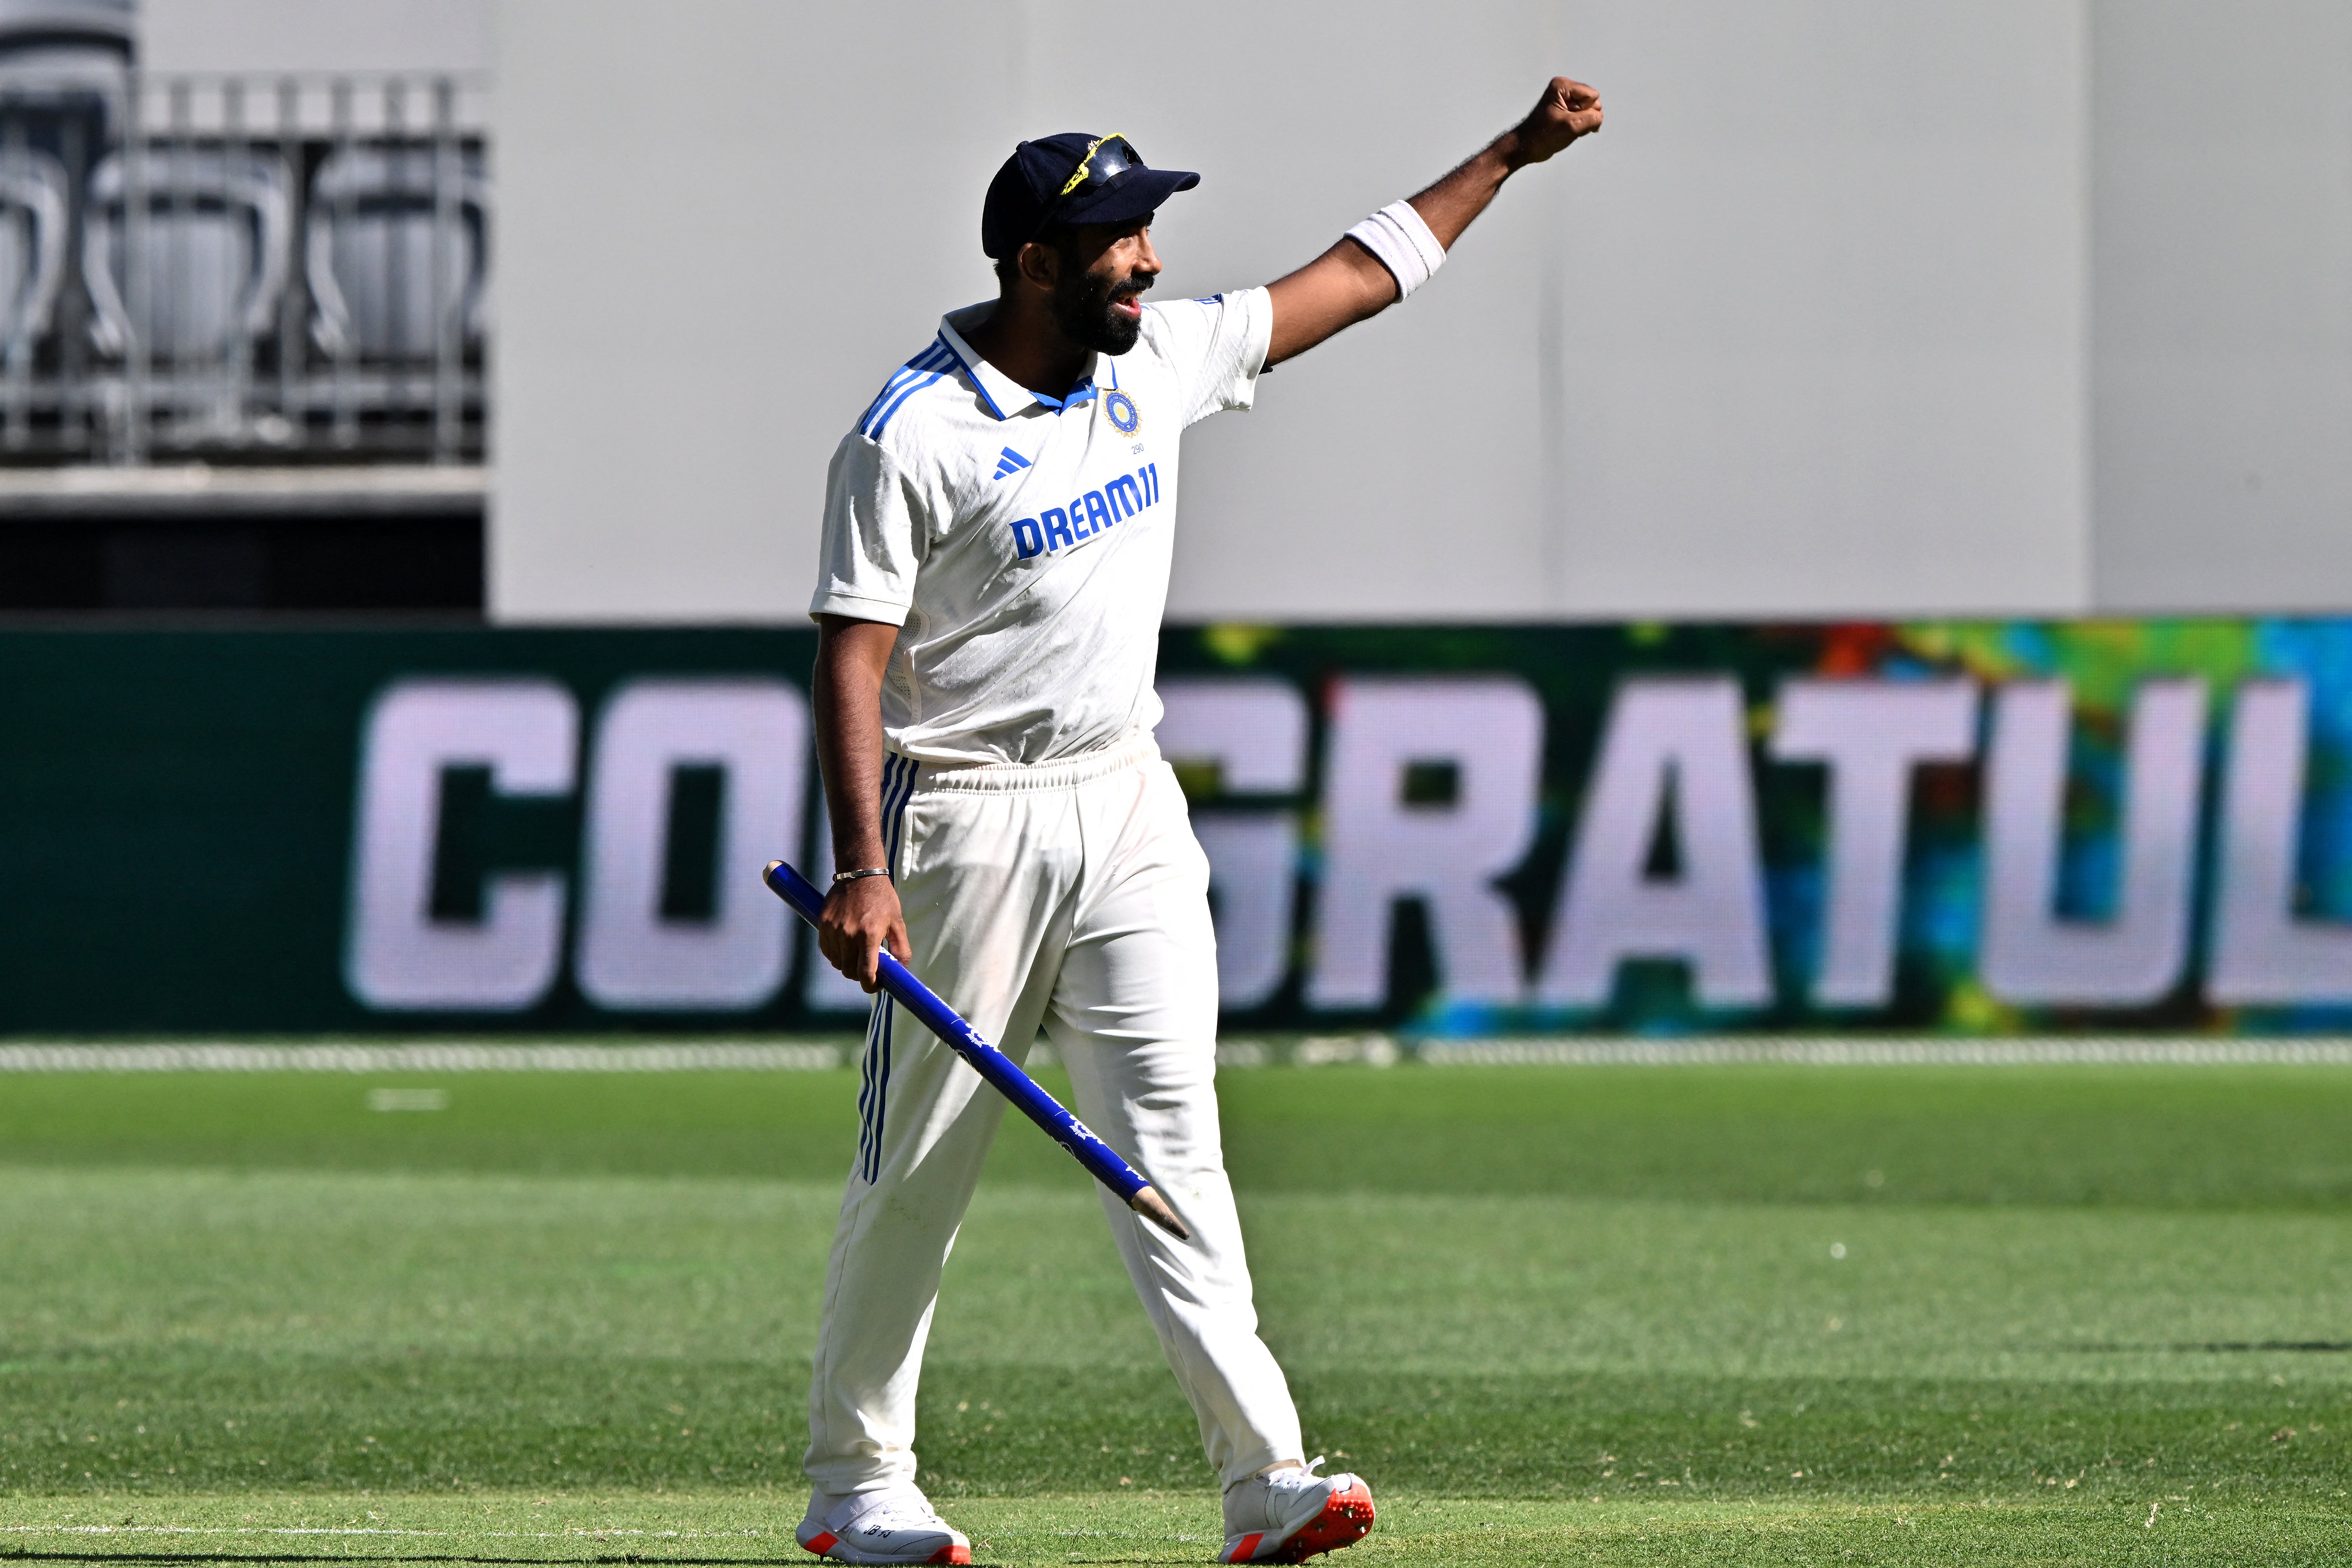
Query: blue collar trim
[1082,393]
[998,392]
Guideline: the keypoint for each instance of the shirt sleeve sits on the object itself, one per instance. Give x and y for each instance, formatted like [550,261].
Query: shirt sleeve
[1217,347]
[873,540]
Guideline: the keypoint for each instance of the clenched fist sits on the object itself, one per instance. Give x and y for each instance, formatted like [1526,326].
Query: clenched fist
[1567,111]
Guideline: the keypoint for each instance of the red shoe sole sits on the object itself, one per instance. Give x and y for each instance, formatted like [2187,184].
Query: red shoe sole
[1346,1519]
[959,1555]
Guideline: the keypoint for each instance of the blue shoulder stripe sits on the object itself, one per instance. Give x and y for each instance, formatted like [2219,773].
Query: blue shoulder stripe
[920,374]
[906,372]
[931,361]
[876,426]
[888,387]
[926,360]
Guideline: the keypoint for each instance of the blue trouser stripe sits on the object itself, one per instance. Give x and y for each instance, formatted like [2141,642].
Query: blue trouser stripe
[899,775]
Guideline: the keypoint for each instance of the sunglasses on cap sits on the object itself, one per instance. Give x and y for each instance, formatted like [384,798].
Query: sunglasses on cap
[1107,157]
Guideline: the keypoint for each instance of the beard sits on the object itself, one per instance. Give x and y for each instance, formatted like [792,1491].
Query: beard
[1082,308]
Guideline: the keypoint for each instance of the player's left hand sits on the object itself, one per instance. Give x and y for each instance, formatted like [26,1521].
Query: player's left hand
[1567,111]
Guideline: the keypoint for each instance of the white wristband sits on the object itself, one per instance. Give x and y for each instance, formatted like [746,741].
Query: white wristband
[1404,244]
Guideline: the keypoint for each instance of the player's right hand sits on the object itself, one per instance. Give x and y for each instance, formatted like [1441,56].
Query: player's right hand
[862,918]
[1567,111]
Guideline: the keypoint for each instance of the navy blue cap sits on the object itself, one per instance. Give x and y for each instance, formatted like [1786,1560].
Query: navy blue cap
[1028,191]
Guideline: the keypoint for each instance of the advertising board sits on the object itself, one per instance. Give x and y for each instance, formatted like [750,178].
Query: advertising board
[1955,827]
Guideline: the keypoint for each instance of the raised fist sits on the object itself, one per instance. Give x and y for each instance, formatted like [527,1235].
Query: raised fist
[1567,111]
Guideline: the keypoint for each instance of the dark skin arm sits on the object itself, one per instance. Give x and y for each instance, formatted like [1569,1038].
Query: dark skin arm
[861,918]
[1346,284]
[1340,288]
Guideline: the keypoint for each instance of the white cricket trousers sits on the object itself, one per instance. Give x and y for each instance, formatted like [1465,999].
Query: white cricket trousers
[1071,895]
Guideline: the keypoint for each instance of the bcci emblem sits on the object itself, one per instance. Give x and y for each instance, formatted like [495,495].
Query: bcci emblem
[1123,416]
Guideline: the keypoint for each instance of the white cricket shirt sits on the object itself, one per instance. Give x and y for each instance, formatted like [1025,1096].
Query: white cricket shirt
[1021,544]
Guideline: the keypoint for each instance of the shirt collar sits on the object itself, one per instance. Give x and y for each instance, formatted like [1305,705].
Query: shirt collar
[999,393]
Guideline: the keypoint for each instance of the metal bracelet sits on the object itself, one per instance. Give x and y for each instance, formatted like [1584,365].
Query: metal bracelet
[841,876]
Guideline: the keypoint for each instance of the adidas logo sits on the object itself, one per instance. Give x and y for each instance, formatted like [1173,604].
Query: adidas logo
[1011,462]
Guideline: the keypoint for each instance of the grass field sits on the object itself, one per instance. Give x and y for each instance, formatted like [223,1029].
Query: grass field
[1751,1314]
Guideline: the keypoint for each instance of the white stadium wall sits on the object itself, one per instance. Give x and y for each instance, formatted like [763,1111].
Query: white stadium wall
[1855,310]
[2223,277]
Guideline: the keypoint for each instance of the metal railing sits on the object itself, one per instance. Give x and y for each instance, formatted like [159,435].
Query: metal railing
[241,269]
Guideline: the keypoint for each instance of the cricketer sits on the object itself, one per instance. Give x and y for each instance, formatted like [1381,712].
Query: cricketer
[997,538]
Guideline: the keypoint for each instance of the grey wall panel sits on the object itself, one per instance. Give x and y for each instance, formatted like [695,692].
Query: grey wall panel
[1823,311]
[2223,278]
[1801,332]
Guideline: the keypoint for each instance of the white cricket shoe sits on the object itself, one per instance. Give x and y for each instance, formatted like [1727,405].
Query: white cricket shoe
[898,1525]
[1288,1516]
